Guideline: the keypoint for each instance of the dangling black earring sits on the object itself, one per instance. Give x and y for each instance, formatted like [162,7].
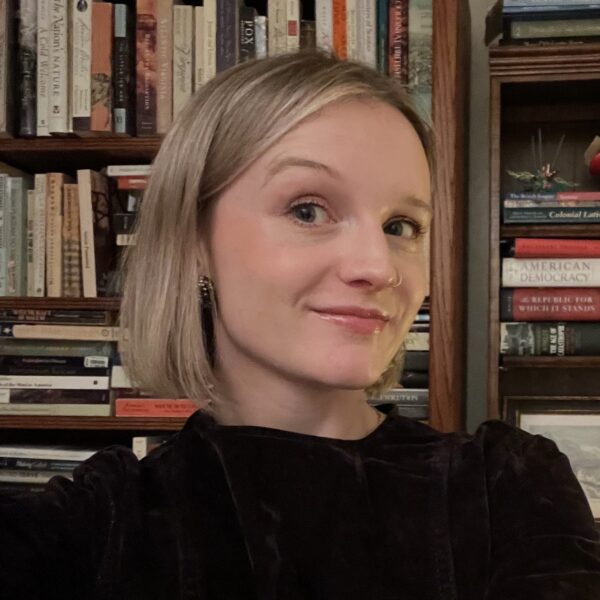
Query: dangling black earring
[206,294]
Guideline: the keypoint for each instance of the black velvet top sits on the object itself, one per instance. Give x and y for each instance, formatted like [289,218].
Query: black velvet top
[246,512]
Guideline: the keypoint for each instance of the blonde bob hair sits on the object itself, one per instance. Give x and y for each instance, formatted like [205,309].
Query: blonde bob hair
[227,124]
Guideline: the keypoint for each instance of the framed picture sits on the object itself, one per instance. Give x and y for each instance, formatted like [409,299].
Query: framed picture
[573,423]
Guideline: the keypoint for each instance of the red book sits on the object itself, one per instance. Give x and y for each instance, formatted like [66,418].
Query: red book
[154,407]
[578,196]
[398,40]
[101,117]
[340,47]
[132,183]
[554,248]
[550,304]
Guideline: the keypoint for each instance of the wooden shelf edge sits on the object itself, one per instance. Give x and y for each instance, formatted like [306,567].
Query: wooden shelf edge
[76,144]
[60,303]
[90,423]
[550,362]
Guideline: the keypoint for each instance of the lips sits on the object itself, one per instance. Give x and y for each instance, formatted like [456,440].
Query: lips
[360,320]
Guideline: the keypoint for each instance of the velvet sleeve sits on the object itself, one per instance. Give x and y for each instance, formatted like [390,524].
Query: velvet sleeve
[544,542]
[55,544]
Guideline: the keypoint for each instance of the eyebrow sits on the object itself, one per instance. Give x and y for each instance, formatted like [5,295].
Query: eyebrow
[419,204]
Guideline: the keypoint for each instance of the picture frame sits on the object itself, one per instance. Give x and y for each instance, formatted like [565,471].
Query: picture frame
[573,423]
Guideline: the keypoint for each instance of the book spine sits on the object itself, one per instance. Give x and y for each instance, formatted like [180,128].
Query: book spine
[41,453]
[324,25]
[398,40]
[16,347]
[308,35]
[101,66]
[50,371]
[30,232]
[417,340]
[383,15]
[210,39]
[293,25]
[416,361]
[143,445]
[558,28]
[277,27]
[60,332]
[198,47]
[27,56]
[43,67]
[7,116]
[550,304]
[54,183]
[550,339]
[150,407]
[132,182]
[58,118]
[403,396]
[420,52]
[57,410]
[123,70]
[89,365]
[555,248]
[228,17]
[3,227]
[71,272]
[16,240]
[565,272]
[129,170]
[86,229]
[32,464]
[81,46]
[340,43]
[352,29]
[183,31]
[53,382]
[38,282]
[164,52]
[540,214]
[414,379]
[247,37]
[146,67]
[260,31]
[17,476]
[10,219]
[367,32]
[55,316]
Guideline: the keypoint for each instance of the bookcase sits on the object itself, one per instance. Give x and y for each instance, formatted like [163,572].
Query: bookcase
[554,89]
[451,31]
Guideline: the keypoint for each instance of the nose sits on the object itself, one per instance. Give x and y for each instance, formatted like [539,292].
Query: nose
[366,259]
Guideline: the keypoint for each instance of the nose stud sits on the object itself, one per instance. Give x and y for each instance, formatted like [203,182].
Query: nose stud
[397,279]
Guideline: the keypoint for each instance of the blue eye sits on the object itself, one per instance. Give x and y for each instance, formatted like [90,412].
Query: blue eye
[310,213]
[403,228]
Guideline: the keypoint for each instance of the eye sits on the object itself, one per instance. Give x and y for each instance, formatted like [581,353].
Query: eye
[404,228]
[309,213]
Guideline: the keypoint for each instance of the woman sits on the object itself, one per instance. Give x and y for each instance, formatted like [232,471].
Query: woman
[279,265]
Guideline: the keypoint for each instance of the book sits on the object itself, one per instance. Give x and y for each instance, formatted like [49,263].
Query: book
[247,37]
[551,214]
[81,65]
[36,464]
[367,32]
[146,67]
[292,15]
[55,395]
[43,67]
[26,59]
[60,332]
[227,42]
[47,452]
[420,54]
[54,204]
[153,407]
[123,71]
[164,64]
[119,378]
[88,365]
[209,40]
[592,196]
[22,476]
[543,272]
[71,250]
[56,315]
[408,403]
[128,170]
[550,304]
[414,379]
[324,25]
[30,291]
[38,277]
[352,29]
[59,110]
[417,340]
[415,360]
[260,31]
[398,40]
[340,31]
[551,248]
[7,59]
[183,23]
[277,26]
[308,35]
[98,252]
[144,444]
[383,15]
[57,410]
[550,339]
[66,382]
[199,47]
[101,66]
[561,26]
[63,348]
[16,240]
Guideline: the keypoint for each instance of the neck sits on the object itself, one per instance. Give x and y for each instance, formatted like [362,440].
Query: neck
[280,404]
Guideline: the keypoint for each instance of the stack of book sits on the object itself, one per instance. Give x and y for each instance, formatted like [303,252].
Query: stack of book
[94,68]
[56,362]
[529,20]
[411,397]
[29,468]
[550,297]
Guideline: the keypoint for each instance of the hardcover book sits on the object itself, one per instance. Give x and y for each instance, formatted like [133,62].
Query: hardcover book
[7,58]
[43,67]
[324,25]
[146,67]
[550,304]
[81,56]
[183,31]
[27,57]
[277,26]
[101,65]
[54,204]
[542,272]
[164,58]
[398,40]
[59,111]
[71,251]
[340,32]
[228,18]
[123,71]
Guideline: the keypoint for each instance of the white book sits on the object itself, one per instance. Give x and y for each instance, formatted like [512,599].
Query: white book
[277,27]
[260,36]
[293,25]
[210,39]
[352,29]
[198,47]
[60,332]
[367,32]
[128,170]
[43,67]
[417,340]
[143,445]
[22,476]
[3,226]
[119,378]
[38,278]
[88,182]
[57,410]
[54,207]
[183,37]
[324,24]
[551,272]
[80,55]
[30,230]
[46,452]
[49,382]
[58,117]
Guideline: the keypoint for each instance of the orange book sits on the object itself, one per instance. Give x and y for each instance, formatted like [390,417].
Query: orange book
[131,182]
[339,29]
[102,16]
[154,407]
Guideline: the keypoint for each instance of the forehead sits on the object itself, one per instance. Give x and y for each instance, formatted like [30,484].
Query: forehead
[366,142]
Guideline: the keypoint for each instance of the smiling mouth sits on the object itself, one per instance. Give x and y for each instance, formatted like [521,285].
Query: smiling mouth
[356,323]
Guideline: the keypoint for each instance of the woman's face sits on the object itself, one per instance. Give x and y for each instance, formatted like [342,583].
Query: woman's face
[314,233]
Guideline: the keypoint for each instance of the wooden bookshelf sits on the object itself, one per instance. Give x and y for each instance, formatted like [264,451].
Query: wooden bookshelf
[90,423]
[555,88]
[451,34]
